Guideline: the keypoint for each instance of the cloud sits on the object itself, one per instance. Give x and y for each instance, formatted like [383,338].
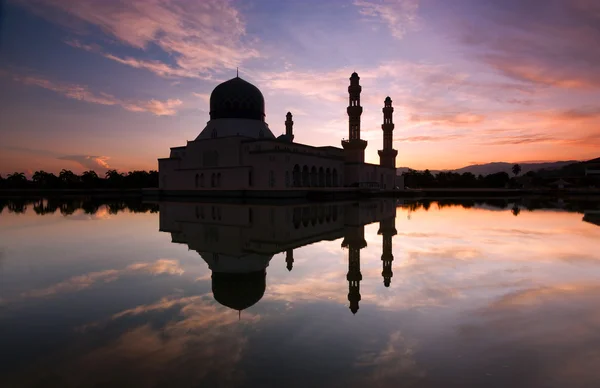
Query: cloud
[400,16]
[83,93]
[448,119]
[169,346]
[82,282]
[555,49]
[201,37]
[394,362]
[88,161]
[417,139]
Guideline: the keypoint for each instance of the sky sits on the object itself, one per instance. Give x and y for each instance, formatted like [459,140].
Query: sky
[99,84]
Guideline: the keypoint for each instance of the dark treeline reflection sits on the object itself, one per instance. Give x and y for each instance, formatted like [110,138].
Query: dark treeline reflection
[68,206]
[67,179]
[516,205]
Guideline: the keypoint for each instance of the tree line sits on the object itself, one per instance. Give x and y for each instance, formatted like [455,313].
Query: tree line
[67,179]
[425,179]
[68,206]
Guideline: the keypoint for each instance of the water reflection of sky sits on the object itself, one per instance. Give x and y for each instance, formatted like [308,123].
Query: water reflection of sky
[477,297]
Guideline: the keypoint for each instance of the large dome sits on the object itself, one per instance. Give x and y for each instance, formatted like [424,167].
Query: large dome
[237,99]
[238,291]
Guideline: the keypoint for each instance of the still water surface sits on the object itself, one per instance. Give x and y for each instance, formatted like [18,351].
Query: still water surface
[371,294]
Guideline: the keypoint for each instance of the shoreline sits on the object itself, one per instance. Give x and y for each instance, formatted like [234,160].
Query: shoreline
[310,194]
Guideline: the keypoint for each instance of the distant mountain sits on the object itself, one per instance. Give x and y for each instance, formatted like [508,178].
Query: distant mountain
[491,168]
[494,167]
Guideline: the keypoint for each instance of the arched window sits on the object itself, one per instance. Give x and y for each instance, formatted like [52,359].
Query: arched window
[314,178]
[335,178]
[321,177]
[250,180]
[261,134]
[328,177]
[296,177]
[196,181]
[212,180]
[213,134]
[305,177]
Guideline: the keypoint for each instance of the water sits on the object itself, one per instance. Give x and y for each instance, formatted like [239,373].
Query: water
[121,294]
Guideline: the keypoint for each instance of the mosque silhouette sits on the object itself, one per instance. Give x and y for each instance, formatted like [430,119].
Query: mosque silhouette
[238,241]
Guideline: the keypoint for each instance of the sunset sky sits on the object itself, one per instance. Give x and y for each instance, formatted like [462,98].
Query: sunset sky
[97,84]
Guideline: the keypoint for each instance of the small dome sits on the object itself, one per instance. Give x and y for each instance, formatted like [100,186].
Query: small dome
[237,99]
[354,75]
[388,99]
[238,291]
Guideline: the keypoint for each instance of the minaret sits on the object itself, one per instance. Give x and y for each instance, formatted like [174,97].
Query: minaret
[387,229]
[289,259]
[354,147]
[387,156]
[354,240]
[289,124]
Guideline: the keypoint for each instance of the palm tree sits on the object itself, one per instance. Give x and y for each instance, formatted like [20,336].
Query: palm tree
[89,178]
[114,178]
[16,179]
[68,177]
[516,169]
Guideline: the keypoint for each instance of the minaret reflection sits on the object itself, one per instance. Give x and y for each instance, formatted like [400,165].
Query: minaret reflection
[289,259]
[387,228]
[237,241]
[354,241]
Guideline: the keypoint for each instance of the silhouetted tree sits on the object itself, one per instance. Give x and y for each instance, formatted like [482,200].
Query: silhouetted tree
[90,178]
[114,178]
[516,169]
[516,210]
[17,180]
[68,178]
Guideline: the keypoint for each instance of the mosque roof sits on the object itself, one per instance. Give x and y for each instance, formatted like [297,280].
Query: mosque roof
[237,99]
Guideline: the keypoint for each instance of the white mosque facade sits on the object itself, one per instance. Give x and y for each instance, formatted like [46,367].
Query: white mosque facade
[237,151]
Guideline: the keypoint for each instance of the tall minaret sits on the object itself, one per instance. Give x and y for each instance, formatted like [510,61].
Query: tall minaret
[387,229]
[289,124]
[354,240]
[354,147]
[387,156]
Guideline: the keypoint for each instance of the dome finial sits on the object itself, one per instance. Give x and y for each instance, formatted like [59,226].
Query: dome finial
[237,72]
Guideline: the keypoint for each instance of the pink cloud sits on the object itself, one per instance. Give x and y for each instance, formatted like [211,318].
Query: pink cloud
[400,16]
[83,93]
[202,36]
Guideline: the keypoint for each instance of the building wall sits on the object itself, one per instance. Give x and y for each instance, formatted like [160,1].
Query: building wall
[238,163]
[370,174]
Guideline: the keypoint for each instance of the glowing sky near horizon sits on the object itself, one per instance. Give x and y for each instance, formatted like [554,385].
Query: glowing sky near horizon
[113,84]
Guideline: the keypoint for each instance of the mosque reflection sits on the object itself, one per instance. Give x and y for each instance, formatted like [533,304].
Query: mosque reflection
[238,241]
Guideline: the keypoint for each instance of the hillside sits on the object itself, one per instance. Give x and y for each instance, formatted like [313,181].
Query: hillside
[494,167]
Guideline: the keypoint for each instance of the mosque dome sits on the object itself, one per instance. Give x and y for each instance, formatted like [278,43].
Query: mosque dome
[238,291]
[237,99]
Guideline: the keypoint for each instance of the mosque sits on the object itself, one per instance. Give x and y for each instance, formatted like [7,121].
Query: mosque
[237,152]
[238,241]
